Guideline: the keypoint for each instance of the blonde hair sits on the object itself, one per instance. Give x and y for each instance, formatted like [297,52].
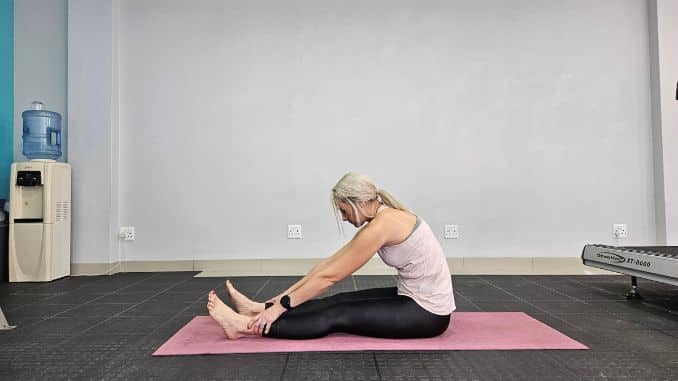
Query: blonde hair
[353,188]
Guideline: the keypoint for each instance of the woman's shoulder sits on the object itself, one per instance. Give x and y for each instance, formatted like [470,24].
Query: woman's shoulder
[395,224]
[395,215]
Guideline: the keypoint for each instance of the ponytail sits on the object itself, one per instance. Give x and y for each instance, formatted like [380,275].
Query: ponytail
[389,200]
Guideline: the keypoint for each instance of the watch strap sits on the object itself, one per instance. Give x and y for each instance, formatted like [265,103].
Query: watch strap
[285,302]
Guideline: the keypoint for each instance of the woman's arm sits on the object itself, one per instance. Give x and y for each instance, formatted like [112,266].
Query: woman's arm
[345,262]
[316,269]
[319,267]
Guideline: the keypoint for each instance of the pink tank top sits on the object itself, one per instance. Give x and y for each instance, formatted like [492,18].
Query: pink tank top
[423,273]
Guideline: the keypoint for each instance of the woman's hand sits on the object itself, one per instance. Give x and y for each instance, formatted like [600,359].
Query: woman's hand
[265,319]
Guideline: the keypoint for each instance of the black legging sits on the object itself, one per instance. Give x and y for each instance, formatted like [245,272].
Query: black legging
[375,312]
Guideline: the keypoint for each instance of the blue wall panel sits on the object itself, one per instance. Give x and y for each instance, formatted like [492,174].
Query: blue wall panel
[6,93]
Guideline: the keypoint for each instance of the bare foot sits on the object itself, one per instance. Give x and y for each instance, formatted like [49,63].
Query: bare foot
[244,305]
[234,324]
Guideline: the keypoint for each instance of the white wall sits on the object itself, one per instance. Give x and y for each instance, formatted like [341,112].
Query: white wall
[93,107]
[40,63]
[516,123]
[665,54]
[528,124]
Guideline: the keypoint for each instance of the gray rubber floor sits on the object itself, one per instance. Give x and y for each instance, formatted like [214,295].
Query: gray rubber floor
[107,327]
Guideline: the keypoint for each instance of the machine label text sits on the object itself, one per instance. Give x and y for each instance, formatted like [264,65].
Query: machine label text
[638,262]
[616,258]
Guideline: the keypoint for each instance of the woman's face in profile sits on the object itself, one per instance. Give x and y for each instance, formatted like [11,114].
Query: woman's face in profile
[347,213]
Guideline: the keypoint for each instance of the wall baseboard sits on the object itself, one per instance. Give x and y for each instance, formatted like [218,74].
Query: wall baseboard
[297,267]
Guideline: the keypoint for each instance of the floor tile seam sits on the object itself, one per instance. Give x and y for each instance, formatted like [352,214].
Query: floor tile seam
[655,307]
[456,292]
[425,367]
[664,331]
[531,300]
[567,364]
[84,284]
[588,302]
[268,280]
[572,375]
[376,364]
[586,285]
[190,304]
[35,286]
[31,294]
[534,306]
[41,301]
[655,330]
[661,308]
[113,360]
[553,290]
[88,302]
[643,302]
[74,304]
[121,312]
[284,367]
[641,356]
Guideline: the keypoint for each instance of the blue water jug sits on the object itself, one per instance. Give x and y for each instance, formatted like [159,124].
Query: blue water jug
[42,133]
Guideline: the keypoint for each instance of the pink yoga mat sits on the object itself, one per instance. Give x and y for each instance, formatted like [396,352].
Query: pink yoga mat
[467,331]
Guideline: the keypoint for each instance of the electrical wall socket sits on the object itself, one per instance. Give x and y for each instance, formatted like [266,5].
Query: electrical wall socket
[451,231]
[294,232]
[620,231]
[127,233]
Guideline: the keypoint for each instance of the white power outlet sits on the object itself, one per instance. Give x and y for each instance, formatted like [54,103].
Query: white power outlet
[127,233]
[294,232]
[620,231]
[451,231]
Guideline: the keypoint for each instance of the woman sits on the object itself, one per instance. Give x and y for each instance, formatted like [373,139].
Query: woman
[420,306]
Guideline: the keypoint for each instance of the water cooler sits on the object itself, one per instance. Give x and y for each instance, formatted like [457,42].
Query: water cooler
[40,203]
[39,221]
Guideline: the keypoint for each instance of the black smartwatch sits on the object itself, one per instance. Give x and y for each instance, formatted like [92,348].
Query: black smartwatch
[285,302]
